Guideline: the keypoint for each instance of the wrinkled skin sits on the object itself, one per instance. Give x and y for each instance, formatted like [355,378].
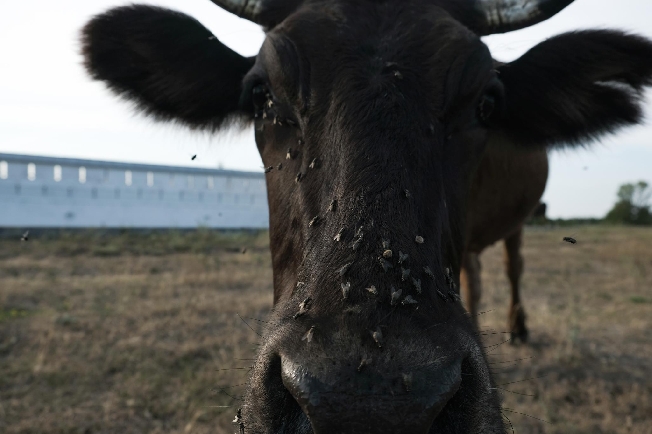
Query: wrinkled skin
[387,107]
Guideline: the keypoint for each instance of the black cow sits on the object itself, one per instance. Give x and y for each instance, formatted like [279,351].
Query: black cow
[386,107]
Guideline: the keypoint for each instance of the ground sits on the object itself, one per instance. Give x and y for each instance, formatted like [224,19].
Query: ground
[131,333]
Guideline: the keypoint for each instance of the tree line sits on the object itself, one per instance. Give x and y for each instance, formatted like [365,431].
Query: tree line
[633,207]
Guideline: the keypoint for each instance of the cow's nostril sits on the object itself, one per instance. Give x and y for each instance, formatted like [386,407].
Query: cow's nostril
[267,391]
[371,400]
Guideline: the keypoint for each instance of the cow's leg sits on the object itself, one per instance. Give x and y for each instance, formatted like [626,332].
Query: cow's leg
[471,284]
[514,269]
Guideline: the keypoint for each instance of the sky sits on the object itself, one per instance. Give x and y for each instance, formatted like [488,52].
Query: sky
[48,106]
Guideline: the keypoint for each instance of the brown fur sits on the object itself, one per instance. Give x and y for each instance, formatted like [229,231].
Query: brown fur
[506,189]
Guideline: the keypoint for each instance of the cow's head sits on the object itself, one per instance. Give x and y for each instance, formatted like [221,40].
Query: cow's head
[372,116]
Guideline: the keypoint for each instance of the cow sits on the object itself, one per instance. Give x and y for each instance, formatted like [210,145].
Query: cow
[374,116]
[504,193]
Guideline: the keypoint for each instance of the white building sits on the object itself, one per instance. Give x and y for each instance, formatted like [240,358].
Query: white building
[62,192]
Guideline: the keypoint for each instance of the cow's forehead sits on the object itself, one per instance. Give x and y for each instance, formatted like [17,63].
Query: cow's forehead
[348,23]
[348,46]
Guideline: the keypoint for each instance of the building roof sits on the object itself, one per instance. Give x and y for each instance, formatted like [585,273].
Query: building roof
[77,162]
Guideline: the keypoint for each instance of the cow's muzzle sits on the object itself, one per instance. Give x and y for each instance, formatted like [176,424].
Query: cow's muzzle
[367,400]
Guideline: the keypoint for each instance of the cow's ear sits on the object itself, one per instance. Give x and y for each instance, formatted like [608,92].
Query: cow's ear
[574,87]
[168,64]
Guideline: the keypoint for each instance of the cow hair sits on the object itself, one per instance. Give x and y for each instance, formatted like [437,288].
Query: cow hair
[167,64]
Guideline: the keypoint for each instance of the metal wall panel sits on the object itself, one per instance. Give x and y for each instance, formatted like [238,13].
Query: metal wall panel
[178,197]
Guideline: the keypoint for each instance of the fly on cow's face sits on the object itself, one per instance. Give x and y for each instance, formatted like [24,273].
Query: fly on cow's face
[238,416]
[315,221]
[385,264]
[409,300]
[269,169]
[304,307]
[313,163]
[338,236]
[364,362]
[238,420]
[417,284]
[405,273]
[346,289]
[309,335]
[378,337]
[359,236]
[402,257]
[288,155]
[342,271]
[396,294]
[333,206]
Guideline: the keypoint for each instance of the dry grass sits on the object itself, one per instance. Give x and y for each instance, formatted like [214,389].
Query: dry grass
[589,310]
[134,333]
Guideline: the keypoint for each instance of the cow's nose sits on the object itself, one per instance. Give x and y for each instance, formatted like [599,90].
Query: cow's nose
[368,400]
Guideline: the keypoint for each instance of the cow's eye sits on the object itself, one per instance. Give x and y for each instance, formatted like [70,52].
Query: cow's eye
[486,107]
[260,95]
[491,102]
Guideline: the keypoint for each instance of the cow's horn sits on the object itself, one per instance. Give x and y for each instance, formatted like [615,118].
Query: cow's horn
[267,13]
[500,16]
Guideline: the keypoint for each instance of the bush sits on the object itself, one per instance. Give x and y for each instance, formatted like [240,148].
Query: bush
[633,206]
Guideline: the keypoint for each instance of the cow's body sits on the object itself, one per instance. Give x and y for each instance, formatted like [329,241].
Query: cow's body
[375,118]
[506,189]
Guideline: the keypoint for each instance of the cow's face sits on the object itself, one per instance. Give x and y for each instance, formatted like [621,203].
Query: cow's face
[377,124]
[371,125]
[371,117]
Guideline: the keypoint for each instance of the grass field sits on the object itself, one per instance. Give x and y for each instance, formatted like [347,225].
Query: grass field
[130,333]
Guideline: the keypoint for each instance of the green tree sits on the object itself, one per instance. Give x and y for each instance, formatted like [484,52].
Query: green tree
[633,206]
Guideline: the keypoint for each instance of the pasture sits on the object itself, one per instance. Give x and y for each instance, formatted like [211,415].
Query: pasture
[134,333]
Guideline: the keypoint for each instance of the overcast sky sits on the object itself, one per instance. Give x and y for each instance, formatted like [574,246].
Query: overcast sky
[49,107]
